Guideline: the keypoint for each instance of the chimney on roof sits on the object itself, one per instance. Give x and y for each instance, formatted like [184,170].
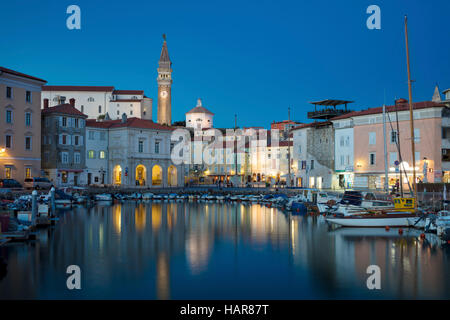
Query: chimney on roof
[400,101]
[124,117]
[45,103]
[72,102]
[199,102]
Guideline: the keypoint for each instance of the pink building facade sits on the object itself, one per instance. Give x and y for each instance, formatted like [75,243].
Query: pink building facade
[431,123]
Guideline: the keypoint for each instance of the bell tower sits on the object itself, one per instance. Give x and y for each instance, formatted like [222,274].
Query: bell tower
[164,86]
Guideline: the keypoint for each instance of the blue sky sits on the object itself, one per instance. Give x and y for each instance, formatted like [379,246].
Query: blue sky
[253,58]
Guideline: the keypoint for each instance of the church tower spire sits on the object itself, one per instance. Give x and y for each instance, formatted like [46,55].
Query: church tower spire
[164,86]
[436,96]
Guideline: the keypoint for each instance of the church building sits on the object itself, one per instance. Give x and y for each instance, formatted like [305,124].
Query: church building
[199,117]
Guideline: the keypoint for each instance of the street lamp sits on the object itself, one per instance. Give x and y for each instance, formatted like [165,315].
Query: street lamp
[425,170]
[102,174]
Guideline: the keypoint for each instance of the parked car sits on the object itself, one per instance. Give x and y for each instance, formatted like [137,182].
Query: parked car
[37,183]
[10,184]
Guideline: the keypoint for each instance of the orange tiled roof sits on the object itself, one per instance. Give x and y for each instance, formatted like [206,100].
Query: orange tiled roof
[6,70]
[139,92]
[77,88]
[66,108]
[400,107]
[131,122]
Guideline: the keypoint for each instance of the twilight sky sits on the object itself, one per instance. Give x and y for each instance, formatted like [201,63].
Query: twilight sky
[251,57]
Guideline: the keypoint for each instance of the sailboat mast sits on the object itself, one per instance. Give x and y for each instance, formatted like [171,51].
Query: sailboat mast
[386,177]
[411,117]
[399,153]
[289,148]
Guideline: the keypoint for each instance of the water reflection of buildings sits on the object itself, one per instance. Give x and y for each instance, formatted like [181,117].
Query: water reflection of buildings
[406,262]
[139,244]
[410,268]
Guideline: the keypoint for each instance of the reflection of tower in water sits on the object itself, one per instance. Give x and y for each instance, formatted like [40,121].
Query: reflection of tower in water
[201,231]
[162,277]
[140,218]
[167,232]
[117,218]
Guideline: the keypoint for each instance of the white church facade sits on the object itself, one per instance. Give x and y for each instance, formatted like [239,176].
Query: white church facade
[97,101]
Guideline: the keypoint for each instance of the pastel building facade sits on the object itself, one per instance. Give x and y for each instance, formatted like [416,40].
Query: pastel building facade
[431,129]
[63,144]
[138,154]
[20,125]
[344,154]
[97,101]
[96,153]
[270,157]
[313,150]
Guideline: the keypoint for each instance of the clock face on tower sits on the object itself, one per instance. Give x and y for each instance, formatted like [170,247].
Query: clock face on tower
[163,94]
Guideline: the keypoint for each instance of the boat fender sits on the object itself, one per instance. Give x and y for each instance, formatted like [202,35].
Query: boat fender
[400,231]
[387,228]
[422,236]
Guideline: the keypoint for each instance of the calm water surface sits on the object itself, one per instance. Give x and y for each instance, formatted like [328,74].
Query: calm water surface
[219,251]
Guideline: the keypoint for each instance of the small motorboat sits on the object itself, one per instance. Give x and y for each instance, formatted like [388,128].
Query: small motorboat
[439,223]
[81,199]
[298,208]
[147,196]
[254,198]
[172,196]
[235,198]
[62,199]
[103,197]
[136,196]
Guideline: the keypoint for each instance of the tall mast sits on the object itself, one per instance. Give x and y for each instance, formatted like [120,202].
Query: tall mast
[411,117]
[386,181]
[399,153]
[235,145]
[289,147]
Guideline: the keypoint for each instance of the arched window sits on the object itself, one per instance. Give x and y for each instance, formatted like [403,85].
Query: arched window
[156,175]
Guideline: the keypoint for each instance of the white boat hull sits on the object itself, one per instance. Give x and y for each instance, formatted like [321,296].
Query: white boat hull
[372,222]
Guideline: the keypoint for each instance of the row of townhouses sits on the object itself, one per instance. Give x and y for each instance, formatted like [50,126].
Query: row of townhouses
[98,135]
[87,135]
[347,150]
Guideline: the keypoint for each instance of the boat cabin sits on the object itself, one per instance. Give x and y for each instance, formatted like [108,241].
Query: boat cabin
[404,203]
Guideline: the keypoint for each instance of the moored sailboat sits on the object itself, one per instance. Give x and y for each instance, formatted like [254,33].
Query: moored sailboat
[404,212]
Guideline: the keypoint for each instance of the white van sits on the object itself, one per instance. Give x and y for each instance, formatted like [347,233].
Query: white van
[37,183]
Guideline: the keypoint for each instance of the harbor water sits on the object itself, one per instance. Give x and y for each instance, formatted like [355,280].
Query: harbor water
[193,250]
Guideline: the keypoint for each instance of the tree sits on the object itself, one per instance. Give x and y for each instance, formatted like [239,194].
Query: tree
[179,123]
